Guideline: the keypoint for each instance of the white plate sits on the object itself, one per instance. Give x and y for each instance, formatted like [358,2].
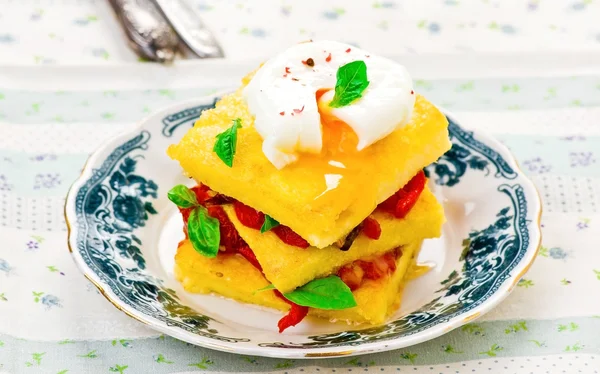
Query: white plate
[123,233]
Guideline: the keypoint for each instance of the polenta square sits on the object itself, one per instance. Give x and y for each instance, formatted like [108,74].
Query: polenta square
[320,197]
[232,276]
[288,267]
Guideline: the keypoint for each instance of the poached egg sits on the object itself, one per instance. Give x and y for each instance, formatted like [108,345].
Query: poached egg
[290,95]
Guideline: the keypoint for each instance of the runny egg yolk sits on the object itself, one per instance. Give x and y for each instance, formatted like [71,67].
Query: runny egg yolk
[338,137]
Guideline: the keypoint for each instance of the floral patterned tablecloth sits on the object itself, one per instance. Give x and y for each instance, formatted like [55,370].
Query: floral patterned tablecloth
[53,321]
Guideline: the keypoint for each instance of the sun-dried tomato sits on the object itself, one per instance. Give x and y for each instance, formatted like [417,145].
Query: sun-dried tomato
[249,255]
[230,238]
[371,228]
[289,237]
[248,216]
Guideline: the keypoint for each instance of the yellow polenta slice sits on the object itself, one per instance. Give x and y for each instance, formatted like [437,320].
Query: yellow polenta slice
[321,198]
[376,299]
[229,275]
[288,267]
[232,276]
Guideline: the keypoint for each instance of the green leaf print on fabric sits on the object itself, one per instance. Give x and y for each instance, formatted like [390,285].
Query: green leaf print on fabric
[285,364]
[597,272]
[525,283]
[118,369]
[473,328]
[538,343]
[468,86]
[124,342]
[514,328]
[161,359]
[450,349]
[37,296]
[543,251]
[251,360]
[492,351]
[63,371]
[90,354]
[167,93]
[206,362]
[1,343]
[66,341]
[565,282]
[409,356]
[574,348]
[423,84]
[510,88]
[36,359]
[550,93]
[3,297]
[570,327]
[357,363]
[108,115]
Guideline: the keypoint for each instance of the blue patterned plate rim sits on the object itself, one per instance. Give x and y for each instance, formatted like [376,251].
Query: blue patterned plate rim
[483,153]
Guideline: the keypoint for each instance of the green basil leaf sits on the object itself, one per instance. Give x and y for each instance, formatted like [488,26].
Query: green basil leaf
[182,196]
[351,82]
[203,231]
[268,224]
[324,293]
[266,288]
[226,142]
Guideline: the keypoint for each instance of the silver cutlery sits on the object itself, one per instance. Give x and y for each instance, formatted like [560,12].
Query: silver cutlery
[147,30]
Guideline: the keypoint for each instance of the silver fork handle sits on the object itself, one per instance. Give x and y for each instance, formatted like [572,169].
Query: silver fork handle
[190,28]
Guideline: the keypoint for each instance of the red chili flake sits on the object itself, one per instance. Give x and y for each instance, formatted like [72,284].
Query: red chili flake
[328,58]
[412,92]
[348,50]
[287,70]
[282,113]
[299,110]
[295,79]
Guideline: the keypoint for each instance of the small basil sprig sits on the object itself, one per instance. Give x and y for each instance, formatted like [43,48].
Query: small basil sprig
[324,293]
[182,196]
[350,84]
[226,143]
[203,230]
[268,224]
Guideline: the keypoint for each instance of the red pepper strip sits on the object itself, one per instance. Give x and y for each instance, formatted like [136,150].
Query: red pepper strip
[400,203]
[294,316]
[413,190]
